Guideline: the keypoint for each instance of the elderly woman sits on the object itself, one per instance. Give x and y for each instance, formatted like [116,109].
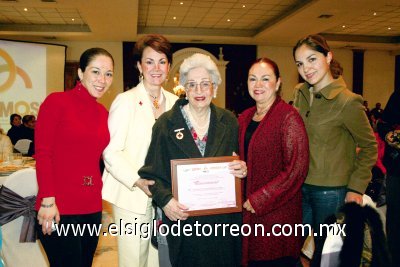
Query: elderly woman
[131,119]
[204,131]
[273,141]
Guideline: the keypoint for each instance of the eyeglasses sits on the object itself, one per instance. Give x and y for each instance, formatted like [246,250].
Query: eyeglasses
[204,85]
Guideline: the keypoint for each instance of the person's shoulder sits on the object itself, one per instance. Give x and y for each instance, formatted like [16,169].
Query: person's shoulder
[247,112]
[103,109]
[224,113]
[129,93]
[170,95]
[56,96]
[350,96]
[55,99]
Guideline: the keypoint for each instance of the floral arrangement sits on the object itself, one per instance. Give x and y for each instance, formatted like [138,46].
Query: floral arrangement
[179,90]
[393,138]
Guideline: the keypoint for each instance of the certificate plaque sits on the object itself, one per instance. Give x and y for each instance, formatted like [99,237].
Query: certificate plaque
[205,185]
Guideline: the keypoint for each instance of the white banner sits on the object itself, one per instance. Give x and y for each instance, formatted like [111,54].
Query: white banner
[22,79]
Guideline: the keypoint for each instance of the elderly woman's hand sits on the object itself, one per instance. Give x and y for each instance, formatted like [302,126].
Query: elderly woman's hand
[175,210]
[48,213]
[238,168]
[143,184]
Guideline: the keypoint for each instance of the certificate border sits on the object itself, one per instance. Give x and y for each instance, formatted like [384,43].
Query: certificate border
[238,188]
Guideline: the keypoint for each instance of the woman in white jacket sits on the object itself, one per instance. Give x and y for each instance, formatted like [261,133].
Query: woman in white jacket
[131,119]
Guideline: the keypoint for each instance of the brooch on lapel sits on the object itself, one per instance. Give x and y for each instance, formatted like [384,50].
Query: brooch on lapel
[140,103]
[179,135]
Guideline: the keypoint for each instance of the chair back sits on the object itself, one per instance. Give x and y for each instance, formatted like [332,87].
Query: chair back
[14,253]
[22,145]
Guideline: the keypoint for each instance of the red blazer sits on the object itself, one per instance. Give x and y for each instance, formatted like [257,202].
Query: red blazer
[277,161]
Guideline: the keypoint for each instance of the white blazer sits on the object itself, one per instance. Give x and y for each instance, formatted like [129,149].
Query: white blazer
[130,123]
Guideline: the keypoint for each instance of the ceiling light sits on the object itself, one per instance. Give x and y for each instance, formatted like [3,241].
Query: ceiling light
[73,19]
[374,13]
[389,28]
[174,17]
[244,6]
[228,20]
[181,3]
[25,9]
[343,26]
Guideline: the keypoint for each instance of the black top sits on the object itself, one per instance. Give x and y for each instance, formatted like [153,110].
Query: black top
[249,133]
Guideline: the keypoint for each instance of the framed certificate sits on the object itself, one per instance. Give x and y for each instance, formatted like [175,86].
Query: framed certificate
[205,185]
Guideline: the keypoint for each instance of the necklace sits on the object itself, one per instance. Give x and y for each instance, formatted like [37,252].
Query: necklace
[201,130]
[156,100]
[156,105]
[262,112]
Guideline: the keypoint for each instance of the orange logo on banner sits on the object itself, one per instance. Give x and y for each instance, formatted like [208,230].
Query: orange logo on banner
[13,70]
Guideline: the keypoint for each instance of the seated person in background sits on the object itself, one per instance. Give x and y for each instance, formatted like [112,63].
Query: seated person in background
[377,110]
[27,127]
[5,144]
[28,131]
[15,131]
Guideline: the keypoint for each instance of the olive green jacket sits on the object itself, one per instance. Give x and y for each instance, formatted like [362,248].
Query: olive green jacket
[336,124]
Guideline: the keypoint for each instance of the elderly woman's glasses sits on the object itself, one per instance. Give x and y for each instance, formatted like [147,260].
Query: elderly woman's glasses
[204,85]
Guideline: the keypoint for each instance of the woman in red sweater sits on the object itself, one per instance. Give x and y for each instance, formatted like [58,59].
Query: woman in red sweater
[71,134]
[274,144]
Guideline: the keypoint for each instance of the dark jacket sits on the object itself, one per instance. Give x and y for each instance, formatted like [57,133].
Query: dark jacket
[390,122]
[15,133]
[222,140]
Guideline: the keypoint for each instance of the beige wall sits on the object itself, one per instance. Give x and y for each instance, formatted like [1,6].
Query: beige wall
[289,75]
[74,51]
[283,57]
[345,58]
[378,76]
[378,71]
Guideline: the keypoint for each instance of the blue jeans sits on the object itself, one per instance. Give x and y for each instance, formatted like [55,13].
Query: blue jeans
[319,204]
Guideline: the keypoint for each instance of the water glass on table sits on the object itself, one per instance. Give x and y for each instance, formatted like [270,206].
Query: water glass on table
[17,159]
[6,159]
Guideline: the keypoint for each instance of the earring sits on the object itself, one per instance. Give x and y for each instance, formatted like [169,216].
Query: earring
[140,77]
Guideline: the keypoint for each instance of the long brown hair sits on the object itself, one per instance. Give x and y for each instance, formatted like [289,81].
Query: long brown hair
[318,43]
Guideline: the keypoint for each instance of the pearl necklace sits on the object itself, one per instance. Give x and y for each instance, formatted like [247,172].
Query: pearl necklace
[201,130]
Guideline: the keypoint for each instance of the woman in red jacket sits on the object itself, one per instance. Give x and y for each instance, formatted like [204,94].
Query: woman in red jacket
[70,136]
[273,142]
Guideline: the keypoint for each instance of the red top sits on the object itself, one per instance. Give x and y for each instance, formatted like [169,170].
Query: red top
[381,153]
[277,162]
[70,135]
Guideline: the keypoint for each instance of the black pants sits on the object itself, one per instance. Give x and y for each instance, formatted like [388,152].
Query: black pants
[71,249]
[393,217]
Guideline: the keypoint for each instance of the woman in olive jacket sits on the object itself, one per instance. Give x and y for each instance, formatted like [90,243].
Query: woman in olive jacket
[336,125]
